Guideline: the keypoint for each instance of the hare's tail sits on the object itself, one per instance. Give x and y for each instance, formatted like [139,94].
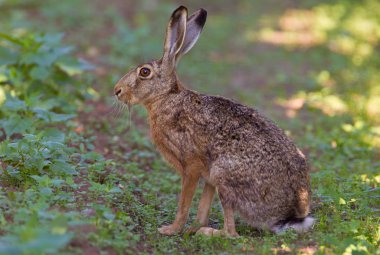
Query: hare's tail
[300,225]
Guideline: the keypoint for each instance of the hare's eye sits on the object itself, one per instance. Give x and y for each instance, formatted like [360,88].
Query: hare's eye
[144,72]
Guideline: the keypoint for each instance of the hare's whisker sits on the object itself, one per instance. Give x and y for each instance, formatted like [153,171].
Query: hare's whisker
[129,107]
[116,109]
[112,108]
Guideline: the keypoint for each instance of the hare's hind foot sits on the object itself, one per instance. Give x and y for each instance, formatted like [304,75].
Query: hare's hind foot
[207,231]
[169,230]
[203,209]
[229,225]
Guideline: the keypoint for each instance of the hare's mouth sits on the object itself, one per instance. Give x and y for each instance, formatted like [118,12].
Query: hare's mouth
[121,98]
[122,95]
[125,98]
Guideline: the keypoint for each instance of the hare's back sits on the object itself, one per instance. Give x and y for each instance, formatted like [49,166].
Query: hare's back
[225,120]
[229,128]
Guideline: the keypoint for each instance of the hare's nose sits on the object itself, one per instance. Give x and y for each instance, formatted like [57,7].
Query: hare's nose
[117,91]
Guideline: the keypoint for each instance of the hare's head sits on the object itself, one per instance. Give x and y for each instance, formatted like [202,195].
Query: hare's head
[152,80]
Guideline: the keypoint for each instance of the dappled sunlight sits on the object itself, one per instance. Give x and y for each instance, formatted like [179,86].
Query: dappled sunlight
[328,103]
[295,28]
[352,35]
[373,181]
[303,39]
[286,249]
[308,250]
[2,96]
[373,106]
[370,135]
[324,79]
[349,31]
[292,106]
[357,34]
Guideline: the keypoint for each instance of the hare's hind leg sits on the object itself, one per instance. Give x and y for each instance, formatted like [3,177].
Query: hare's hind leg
[218,172]
[203,208]
[229,221]
[229,224]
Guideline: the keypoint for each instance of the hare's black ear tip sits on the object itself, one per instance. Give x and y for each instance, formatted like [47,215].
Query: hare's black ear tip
[181,8]
[201,19]
[179,11]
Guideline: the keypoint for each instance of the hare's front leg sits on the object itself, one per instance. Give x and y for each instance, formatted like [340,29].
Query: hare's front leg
[189,184]
[203,208]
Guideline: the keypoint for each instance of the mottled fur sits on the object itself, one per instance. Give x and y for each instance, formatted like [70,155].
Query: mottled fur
[255,168]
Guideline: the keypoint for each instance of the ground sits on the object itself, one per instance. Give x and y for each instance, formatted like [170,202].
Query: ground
[310,67]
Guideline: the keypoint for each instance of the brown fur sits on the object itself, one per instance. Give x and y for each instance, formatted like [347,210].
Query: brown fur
[255,168]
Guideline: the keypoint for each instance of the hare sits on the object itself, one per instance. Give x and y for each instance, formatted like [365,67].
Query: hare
[256,170]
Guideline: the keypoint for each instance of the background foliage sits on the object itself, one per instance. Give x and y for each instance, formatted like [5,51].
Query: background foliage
[80,177]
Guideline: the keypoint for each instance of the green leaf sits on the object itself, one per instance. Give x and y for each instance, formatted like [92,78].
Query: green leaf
[11,39]
[43,181]
[57,117]
[16,124]
[39,58]
[7,57]
[48,104]
[45,56]
[38,241]
[50,39]
[75,66]
[46,191]
[115,190]
[92,156]
[39,73]
[109,216]
[51,116]
[62,166]
[54,145]
[13,104]
[57,182]
[52,134]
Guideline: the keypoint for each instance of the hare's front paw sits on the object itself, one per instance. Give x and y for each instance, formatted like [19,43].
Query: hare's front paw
[169,230]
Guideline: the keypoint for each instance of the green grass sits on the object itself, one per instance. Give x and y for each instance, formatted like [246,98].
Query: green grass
[77,177]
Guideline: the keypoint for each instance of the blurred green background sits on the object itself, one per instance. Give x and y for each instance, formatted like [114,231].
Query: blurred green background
[80,176]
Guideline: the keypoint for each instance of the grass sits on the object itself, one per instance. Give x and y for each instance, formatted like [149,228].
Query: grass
[84,180]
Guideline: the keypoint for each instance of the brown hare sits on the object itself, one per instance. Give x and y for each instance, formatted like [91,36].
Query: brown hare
[256,170]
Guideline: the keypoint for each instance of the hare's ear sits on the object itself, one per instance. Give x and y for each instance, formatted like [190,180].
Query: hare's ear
[194,28]
[175,34]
